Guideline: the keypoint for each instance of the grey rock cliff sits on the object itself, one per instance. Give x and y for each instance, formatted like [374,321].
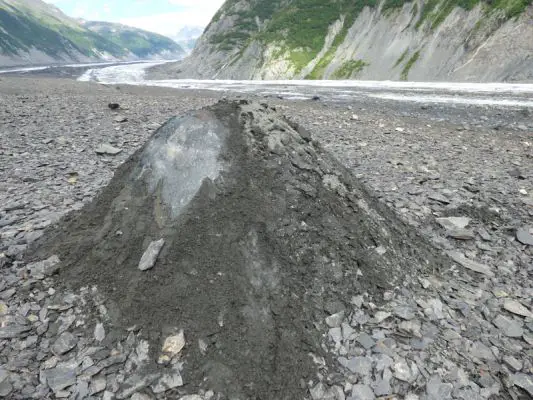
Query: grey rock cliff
[407,43]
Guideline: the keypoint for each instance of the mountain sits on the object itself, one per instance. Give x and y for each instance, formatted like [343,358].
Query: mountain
[187,37]
[34,32]
[142,44]
[448,40]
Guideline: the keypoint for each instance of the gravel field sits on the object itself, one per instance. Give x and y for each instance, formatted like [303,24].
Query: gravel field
[462,176]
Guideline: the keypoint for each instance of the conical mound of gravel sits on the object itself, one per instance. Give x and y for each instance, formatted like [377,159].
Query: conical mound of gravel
[233,226]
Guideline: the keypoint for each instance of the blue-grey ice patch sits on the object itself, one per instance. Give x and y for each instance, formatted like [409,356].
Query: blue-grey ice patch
[183,153]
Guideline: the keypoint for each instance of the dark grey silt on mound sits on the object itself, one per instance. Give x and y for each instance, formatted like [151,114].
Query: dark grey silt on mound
[265,235]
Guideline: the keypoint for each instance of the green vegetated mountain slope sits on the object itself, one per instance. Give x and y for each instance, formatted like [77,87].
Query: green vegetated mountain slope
[142,44]
[466,40]
[34,32]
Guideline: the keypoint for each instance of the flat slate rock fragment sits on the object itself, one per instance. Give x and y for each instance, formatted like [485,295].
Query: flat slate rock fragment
[14,331]
[517,308]
[243,266]
[64,343]
[59,378]
[524,381]
[525,235]
[149,257]
[106,148]
[42,269]
[470,264]
[509,327]
[452,223]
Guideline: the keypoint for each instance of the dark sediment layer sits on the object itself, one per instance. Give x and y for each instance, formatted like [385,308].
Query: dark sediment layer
[264,232]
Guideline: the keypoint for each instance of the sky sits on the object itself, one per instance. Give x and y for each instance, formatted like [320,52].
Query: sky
[162,16]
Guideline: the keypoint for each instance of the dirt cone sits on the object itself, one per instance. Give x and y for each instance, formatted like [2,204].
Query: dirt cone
[250,234]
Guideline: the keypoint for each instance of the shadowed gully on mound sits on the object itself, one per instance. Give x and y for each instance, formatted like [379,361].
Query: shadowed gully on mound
[263,234]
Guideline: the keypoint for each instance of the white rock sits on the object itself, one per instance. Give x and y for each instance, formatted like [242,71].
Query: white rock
[381,316]
[106,148]
[149,257]
[318,392]
[470,264]
[335,320]
[515,307]
[453,222]
[99,332]
[174,344]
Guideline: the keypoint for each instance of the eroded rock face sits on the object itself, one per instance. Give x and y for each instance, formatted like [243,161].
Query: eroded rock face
[263,232]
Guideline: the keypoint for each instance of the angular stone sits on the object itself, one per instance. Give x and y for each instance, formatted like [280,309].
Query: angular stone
[366,340]
[167,382]
[481,351]
[149,257]
[335,320]
[318,391]
[109,395]
[106,148]
[452,223]
[435,309]
[525,235]
[436,390]
[515,307]
[335,334]
[470,264]
[405,312]
[382,385]
[98,384]
[508,326]
[174,344]
[385,346]
[99,332]
[5,389]
[412,327]
[484,234]
[14,331]
[524,381]
[383,361]
[450,335]
[404,372]
[347,331]
[513,363]
[362,392]
[82,389]
[357,365]
[42,269]
[381,316]
[136,383]
[64,343]
[59,378]
[4,374]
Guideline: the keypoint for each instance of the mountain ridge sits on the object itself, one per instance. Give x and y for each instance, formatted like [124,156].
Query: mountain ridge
[34,32]
[141,43]
[457,40]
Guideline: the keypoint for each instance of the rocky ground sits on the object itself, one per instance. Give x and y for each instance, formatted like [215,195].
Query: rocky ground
[463,177]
